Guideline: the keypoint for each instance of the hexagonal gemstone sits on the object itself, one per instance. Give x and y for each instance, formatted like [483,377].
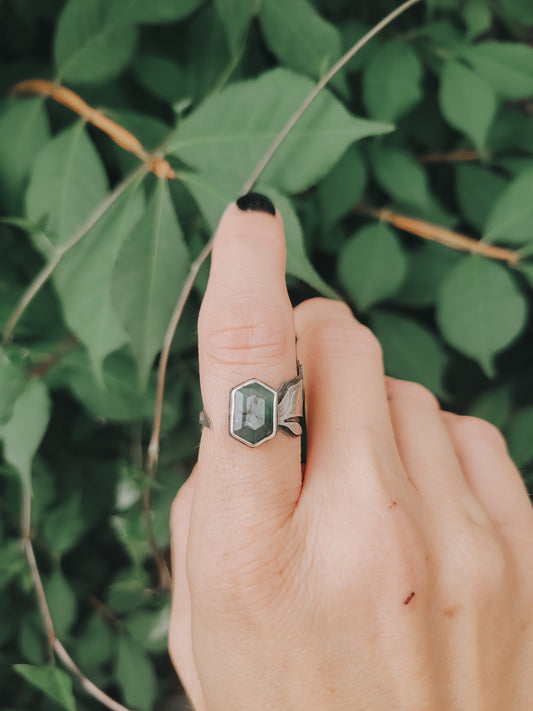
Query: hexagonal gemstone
[253,413]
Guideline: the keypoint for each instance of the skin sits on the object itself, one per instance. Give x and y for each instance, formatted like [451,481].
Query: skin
[393,572]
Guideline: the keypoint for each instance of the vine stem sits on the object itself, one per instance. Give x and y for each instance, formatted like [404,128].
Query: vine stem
[154,162]
[45,273]
[153,448]
[58,649]
[442,235]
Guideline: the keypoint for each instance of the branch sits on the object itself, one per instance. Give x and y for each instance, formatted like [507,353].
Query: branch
[442,235]
[452,157]
[153,448]
[55,644]
[153,162]
[45,273]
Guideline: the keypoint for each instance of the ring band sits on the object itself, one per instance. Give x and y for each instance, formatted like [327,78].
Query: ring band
[257,412]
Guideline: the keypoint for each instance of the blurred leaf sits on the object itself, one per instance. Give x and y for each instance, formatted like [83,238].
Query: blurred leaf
[372,265]
[480,310]
[392,81]
[428,265]
[25,122]
[67,182]
[298,263]
[12,381]
[410,351]
[54,682]
[477,189]
[161,76]
[135,674]
[83,278]
[224,132]
[61,601]
[477,16]
[342,187]
[150,628]
[299,37]
[507,66]
[519,436]
[236,16]
[23,433]
[11,562]
[467,102]
[148,276]
[90,44]
[64,525]
[493,405]
[95,643]
[511,218]
[154,11]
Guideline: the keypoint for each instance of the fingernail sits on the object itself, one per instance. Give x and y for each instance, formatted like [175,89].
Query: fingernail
[256,202]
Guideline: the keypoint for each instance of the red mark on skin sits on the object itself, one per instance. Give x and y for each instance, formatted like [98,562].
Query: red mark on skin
[450,612]
[394,503]
[408,598]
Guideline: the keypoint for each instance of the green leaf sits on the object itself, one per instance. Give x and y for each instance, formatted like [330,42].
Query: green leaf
[519,10]
[429,264]
[477,16]
[148,277]
[95,643]
[67,182]
[23,433]
[403,178]
[135,673]
[116,397]
[392,81]
[410,350]
[236,16]
[298,263]
[493,405]
[161,76]
[83,278]
[12,381]
[54,682]
[342,187]
[372,265]
[511,217]
[223,131]
[154,11]
[61,601]
[24,126]
[467,102]
[519,436]
[507,67]
[480,310]
[90,45]
[477,189]
[65,524]
[299,37]
[150,628]
[11,562]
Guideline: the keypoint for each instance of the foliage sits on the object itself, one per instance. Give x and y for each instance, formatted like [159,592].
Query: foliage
[213,82]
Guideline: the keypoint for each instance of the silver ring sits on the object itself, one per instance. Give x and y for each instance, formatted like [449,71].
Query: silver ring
[257,412]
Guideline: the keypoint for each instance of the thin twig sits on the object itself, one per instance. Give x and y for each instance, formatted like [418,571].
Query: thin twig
[451,157]
[442,235]
[153,162]
[55,644]
[153,448]
[45,273]
[276,143]
[40,370]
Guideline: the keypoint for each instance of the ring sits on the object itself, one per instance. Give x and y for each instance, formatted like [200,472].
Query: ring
[257,412]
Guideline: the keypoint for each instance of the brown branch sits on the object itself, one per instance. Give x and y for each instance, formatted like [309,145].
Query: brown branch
[58,649]
[451,157]
[442,235]
[154,163]
[40,370]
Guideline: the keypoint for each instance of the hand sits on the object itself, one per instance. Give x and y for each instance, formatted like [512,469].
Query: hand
[393,573]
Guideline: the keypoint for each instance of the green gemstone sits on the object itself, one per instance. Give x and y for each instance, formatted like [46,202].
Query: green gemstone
[252,417]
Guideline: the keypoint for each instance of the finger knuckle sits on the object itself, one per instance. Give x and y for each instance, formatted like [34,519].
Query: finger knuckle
[347,339]
[406,389]
[471,429]
[477,565]
[240,332]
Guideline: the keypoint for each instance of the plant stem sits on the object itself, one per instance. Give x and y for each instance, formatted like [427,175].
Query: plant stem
[48,269]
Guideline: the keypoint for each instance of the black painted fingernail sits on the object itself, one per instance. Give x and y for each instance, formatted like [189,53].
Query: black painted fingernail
[256,202]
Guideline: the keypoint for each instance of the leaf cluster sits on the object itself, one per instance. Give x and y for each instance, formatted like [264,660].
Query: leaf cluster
[431,123]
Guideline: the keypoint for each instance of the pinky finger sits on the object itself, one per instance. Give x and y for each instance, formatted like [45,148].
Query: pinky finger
[490,471]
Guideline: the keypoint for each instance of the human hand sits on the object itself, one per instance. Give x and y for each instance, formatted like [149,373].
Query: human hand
[396,576]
